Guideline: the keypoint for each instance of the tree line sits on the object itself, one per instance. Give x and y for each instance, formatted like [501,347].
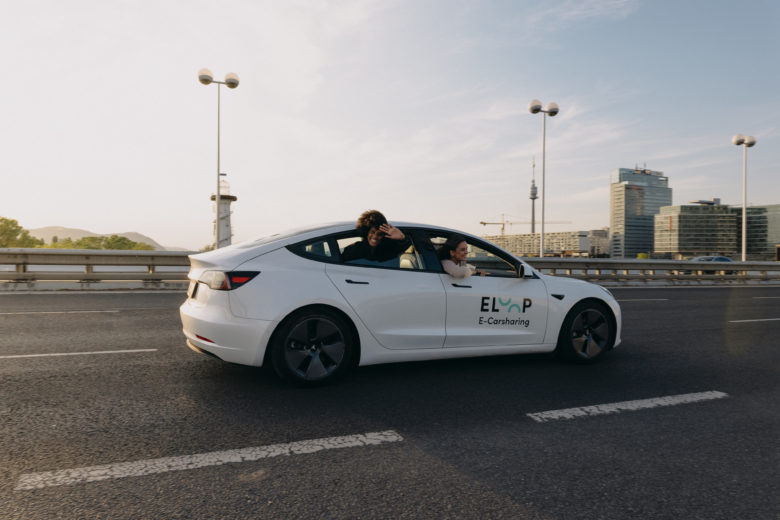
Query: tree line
[14,235]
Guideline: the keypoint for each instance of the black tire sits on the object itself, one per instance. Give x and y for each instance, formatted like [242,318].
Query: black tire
[313,347]
[587,332]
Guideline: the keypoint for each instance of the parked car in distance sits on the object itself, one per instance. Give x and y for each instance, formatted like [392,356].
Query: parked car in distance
[711,259]
[297,302]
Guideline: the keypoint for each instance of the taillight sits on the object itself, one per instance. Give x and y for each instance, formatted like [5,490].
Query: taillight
[226,281]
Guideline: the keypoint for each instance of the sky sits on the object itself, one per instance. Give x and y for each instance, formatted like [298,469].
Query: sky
[417,108]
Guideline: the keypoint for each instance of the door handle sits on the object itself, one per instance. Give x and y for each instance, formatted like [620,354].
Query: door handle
[356,282]
[458,285]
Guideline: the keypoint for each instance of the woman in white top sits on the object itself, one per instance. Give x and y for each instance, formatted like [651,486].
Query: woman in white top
[453,258]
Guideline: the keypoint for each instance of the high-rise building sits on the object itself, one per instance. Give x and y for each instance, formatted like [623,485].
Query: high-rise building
[636,196]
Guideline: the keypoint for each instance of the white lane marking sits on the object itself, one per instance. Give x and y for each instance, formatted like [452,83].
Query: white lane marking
[79,353]
[201,460]
[766,297]
[625,406]
[750,321]
[646,300]
[87,312]
[52,312]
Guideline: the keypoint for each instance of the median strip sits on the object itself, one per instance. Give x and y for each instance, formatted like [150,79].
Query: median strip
[625,406]
[201,460]
[54,354]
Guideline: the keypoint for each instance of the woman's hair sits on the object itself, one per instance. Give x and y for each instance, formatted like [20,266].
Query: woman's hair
[370,219]
[450,245]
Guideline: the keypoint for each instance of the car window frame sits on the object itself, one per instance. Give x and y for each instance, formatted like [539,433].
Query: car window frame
[422,235]
[332,241]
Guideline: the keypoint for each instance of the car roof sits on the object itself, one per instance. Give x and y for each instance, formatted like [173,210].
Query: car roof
[231,256]
[241,252]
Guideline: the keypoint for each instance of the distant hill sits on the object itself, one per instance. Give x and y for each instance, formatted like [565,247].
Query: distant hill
[46,233]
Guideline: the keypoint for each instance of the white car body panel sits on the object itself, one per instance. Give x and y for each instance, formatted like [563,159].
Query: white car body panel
[402,309]
[495,311]
[404,316]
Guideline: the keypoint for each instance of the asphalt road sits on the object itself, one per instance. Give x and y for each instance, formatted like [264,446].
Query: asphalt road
[460,444]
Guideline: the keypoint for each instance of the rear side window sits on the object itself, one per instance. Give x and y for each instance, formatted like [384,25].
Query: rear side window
[316,250]
[395,255]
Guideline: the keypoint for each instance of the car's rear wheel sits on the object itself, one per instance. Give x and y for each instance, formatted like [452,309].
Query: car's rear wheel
[587,332]
[313,347]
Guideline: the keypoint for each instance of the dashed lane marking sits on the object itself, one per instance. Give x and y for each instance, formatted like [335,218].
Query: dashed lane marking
[625,406]
[55,354]
[24,313]
[201,460]
[751,321]
[646,300]
[54,312]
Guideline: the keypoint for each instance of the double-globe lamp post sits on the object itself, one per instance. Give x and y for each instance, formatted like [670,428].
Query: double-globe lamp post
[231,80]
[551,109]
[745,142]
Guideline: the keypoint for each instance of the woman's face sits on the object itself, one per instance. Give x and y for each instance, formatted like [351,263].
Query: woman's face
[374,237]
[459,253]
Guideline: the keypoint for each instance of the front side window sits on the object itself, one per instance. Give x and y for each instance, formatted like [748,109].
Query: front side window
[480,256]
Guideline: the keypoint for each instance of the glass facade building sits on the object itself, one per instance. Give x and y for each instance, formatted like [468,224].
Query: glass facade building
[715,229]
[636,196]
[696,230]
[763,230]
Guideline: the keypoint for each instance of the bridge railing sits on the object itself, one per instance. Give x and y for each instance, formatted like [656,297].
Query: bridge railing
[42,269]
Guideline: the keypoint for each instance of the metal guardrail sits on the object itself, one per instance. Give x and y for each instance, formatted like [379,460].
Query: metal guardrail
[46,269]
[42,269]
[608,271]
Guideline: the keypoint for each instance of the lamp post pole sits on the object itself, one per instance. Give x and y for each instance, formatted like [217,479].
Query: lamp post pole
[745,142]
[551,109]
[231,80]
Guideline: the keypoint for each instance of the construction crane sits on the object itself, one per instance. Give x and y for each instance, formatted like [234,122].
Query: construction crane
[505,222]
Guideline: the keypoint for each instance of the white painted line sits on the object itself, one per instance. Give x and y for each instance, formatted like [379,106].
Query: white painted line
[87,312]
[625,406]
[766,297]
[646,300]
[51,312]
[201,460]
[751,321]
[55,354]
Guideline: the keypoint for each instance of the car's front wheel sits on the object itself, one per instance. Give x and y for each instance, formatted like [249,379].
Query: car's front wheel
[587,332]
[313,347]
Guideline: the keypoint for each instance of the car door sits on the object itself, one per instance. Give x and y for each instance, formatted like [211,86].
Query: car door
[401,304]
[499,308]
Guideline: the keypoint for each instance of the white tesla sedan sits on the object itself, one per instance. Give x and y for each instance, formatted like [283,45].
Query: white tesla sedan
[295,301]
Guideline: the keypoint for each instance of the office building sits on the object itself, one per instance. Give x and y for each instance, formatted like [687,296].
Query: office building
[593,243]
[701,228]
[763,230]
[636,196]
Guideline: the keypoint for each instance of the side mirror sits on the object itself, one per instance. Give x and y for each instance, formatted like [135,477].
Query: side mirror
[520,268]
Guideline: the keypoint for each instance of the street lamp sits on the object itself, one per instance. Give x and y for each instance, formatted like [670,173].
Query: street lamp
[745,142]
[551,109]
[231,80]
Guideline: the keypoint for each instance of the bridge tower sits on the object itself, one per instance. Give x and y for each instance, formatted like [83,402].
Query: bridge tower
[223,219]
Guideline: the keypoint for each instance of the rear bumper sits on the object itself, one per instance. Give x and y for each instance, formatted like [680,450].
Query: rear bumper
[213,330]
